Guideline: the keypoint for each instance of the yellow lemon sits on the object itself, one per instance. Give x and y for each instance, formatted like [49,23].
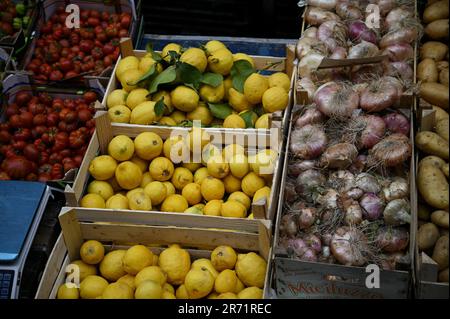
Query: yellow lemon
[148,290]
[251,183]
[263,163]
[129,79]
[129,280]
[206,264]
[102,188]
[84,269]
[178,116]
[161,169]
[137,258]
[227,295]
[119,114]
[92,201]
[214,45]
[192,193]
[169,188]
[118,290]
[168,287]
[184,98]
[175,148]
[148,145]
[140,201]
[223,257]
[209,151]
[168,121]
[156,191]
[217,167]
[175,262]
[261,193]
[193,210]
[202,114]
[232,208]
[199,283]
[127,63]
[281,80]
[212,94]
[181,292]
[200,175]
[250,216]
[128,175]
[275,99]
[117,201]
[212,188]
[174,204]
[213,207]
[234,121]
[92,287]
[221,61]
[150,273]
[195,57]
[263,121]
[251,293]
[133,191]
[243,56]
[121,148]
[136,97]
[232,149]
[67,291]
[116,97]
[232,184]
[168,295]
[251,269]
[181,177]
[238,101]
[166,99]
[102,167]
[147,62]
[193,167]
[239,165]
[144,113]
[200,206]
[170,47]
[226,281]
[143,164]
[239,286]
[254,88]
[111,267]
[241,198]
[227,84]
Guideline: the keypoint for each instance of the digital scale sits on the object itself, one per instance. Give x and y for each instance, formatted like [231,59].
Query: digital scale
[22,205]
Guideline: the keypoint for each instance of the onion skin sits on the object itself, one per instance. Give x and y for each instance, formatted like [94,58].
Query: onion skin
[392,239]
[339,156]
[313,242]
[308,142]
[399,188]
[373,132]
[308,85]
[354,193]
[307,67]
[305,45]
[323,4]
[341,180]
[397,123]
[364,49]
[399,52]
[330,200]
[288,225]
[353,213]
[378,96]
[399,69]
[339,53]
[316,16]
[306,218]
[358,31]
[397,212]
[391,151]
[310,116]
[395,16]
[335,100]
[310,32]
[365,72]
[290,195]
[359,164]
[405,34]
[333,34]
[347,246]
[372,206]
[296,168]
[347,11]
[367,183]
[308,182]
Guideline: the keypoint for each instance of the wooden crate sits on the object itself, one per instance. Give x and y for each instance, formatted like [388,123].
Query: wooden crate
[116,228]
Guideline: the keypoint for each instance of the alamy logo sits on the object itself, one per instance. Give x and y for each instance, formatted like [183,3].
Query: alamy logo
[373,279]
[73,276]
[73,19]
[373,16]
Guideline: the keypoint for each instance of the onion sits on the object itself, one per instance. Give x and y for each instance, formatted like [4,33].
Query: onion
[339,53]
[313,242]
[341,180]
[308,255]
[359,164]
[339,156]
[405,35]
[399,69]
[306,45]
[385,6]
[379,95]
[397,212]
[294,169]
[397,189]
[358,31]
[307,67]
[392,239]
[364,73]
[310,116]
[290,195]
[336,99]
[348,246]
[326,238]
[347,11]
[288,225]
[323,4]
[370,128]
[317,16]
[308,142]
[307,85]
[308,182]
[390,151]
[397,123]
[295,246]
[353,213]
[306,218]
[395,16]
[364,49]
[391,260]
[310,32]
[399,52]
[372,206]
[354,193]
[330,200]
[333,34]
[367,183]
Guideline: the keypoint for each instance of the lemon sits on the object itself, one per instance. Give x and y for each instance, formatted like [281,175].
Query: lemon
[119,114]
[181,292]
[226,281]
[251,269]
[192,193]
[148,145]
[144,113]
[168,295]
[213,295]
[181,177]
[125,64]
[201,113]
[102,167]
[111,267]
[117,201]
[204,263]
[212,94]
[174,204]
[92,287]
[84,269]
[238,101]
[254,88]
[214,45]
[116,97]
[143,164]
[156,191]
[150,273]
[232,208]
[136,97]
[137,258]
[118,290]
[175,262]
[102,188]
[239,286]
[178,116]
[213,207]
[223,257]
[92,201]
[250,216]
[241,198]
[67,291]
[217,167]
[148,290]
[121,148]
[275,99]
[281,80]
[221,61]
[167,101]
[133,191]
[161,169]
[227,295]
[175,148]
[184,99]
[193,167]
[193,210]
[147,62]
[168,121]
[195,57]
[263,163]
[200,175]
[243,56]
[168,287]
[212,188]
[232,149]
[170,47]
[140,201]
[128,175]
[169,188]
[129,79]
[233,121]
[199,283]
[227,84]
[251,293]
[251,183]
[200,206]
[239,165]
[232,184]
[261,193]
[198,139]
[129,280]
[209,151]
[263,121]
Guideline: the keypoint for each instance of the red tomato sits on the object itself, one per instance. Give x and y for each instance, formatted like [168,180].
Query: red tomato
[90,96]
[39,119]
[27,119]
[93,22]
[66,65]
[5,136]
[84,115]
[97,53]
[123,33]
[22,98]
[52,119]
[125,21]
[86,46]
[31,152]
[57,171]
[22,134]
[56,75]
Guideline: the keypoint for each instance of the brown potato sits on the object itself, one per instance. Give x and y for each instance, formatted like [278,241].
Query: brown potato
[437,29]
[435,94]
[433,50]
[433,160]
[427,236]
[433,186]
[443,77]
[427,71]
[439,113]
[440,252]
[445,169]
[440,218]
[433,144]
[441,129]
[436,11]
[443,275]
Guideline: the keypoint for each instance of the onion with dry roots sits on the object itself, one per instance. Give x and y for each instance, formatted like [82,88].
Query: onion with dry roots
[306,218]
[311,115]
[397,212]
[405,31]
[289,225]
[367,183]
[399,69]
[348,10]
[396,15]
[399,52]
[359,31]
[385,6]
[390,151]
[308,142]
[333,34]
[379,95]
[297,167]
[330,200]
[392,239]
[339,156]
[310,32]
[353,213]
[365,131]
[307,67]
[306,45]
[341,180]
[307,85]
[323,4]
[398,188]
[317,16]
[363,50]
[336,99]
[359,164]
[309,183]
[339,53]
[366,73]
[372,206]
[349,246]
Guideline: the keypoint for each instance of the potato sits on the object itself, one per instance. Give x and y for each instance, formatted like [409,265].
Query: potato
[442,65]
[440,252]
[441,129]
[436,11]
[445,169]
[433,186]
[435,94]
[437,29]
[433,144]
[439,114]
[427,236]
[440,218]
[427,71]
[443,77]
[433,160]
[433,50]
[421,222]
[443,275]
[423,212]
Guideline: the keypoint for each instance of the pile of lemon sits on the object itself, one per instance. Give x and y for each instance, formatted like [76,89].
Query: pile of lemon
[141,274]
[139,175]
[133,104]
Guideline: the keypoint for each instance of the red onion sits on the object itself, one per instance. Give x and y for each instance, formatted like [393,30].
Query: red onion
[308,142]
[372,206]
[396,15]
[341,180]
[385,6]
[390,151]
[306,218]
[399,52]
[333,34]
[323,4]
[308,182]
[373,129]
[295,246]
[359,164]
[399,69]
[405,35]
[330,200]
[294,169]
[367,183]
[348,11]
[379,95]
[364,49]
[310,32]
[310,116]
[392,239]
[339,156]
[397,212]
[348,246]
[290,195]
[317,16]
[397,123]
[353,213]
[354,193]
[358,31]
[308,255]
[391,260]
[313,242]
[339,53]
[288,225]
[362,74]
[336,99]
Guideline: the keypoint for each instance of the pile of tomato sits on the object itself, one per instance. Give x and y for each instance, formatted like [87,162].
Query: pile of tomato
[63,53]
[44,137]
